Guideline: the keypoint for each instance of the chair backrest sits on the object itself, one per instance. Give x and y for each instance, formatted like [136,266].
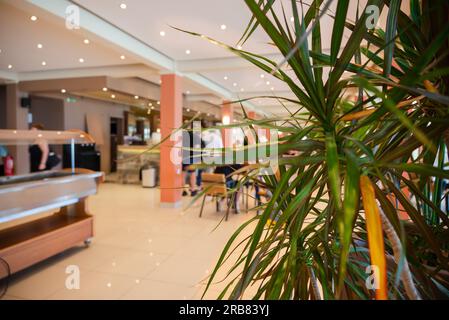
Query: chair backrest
[214,184]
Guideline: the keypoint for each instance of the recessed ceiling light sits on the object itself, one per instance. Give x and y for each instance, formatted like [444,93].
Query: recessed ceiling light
[122,57]
[39,46]
[187,51]
[152,107]
[105,89]
[123,6]
[86,41]
[113,96]
[136,97]
[188,110]
[158,102]
[150,104]
[81,60]
[162,33]
[272,88]
[225,77]
[242,89]
[262,76]
[44,63]
[187,92]
[33,18]
[267,83]
[63,91]
[223,27]
[234,84]
[9,66]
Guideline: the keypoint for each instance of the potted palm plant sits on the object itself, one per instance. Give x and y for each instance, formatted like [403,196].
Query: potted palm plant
[361,199]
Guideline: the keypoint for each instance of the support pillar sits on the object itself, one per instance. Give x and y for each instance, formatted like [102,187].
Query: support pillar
[171,119]
[251,138]
[227,117]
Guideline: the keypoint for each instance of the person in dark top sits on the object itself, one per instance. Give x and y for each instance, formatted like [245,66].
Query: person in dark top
[191,143]
[201,154]
[42,158]
[38,152]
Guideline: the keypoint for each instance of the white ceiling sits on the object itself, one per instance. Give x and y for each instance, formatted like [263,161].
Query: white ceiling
[144,20]
[61,48]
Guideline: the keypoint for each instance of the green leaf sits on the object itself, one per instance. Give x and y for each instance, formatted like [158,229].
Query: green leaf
[338,28]
[390,34]
[350,208]
[333,169]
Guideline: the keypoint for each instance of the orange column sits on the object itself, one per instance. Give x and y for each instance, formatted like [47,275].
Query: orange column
[227,117]
[252,115]
[171,119]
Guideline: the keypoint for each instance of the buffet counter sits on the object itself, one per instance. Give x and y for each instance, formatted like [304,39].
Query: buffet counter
[132,159]
[26,237]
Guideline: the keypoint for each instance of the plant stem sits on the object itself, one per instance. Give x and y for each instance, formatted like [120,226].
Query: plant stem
[314,283]
[406,276]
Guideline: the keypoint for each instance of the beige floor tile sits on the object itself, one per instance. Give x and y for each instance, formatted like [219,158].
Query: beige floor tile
[165,244]
[39,282]
[139,251]
[7,297]
[91,257]
[181,270]
[97,285]
[132,263]
[156,290]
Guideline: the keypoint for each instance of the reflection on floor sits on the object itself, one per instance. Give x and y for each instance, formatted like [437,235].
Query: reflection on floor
[140,251]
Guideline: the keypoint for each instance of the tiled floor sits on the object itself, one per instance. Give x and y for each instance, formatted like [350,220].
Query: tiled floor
[140,251]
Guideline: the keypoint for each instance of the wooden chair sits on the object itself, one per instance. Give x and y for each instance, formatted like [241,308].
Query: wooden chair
[214,184]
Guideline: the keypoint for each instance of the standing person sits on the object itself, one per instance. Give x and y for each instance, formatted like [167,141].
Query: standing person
[187,161]
[202,153]
[41,157]
[3,154]
[38,151]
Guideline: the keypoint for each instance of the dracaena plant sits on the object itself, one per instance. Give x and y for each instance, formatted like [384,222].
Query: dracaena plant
[362,195]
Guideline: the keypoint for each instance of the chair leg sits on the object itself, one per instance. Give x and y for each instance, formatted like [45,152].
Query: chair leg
[202,206]
[228,209]
[217,204]
[247,199]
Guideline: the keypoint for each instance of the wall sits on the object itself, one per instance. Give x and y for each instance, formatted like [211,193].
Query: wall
[75,115]
[48,111]
[2,107]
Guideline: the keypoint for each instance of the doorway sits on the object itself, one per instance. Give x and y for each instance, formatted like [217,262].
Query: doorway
[116,133]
